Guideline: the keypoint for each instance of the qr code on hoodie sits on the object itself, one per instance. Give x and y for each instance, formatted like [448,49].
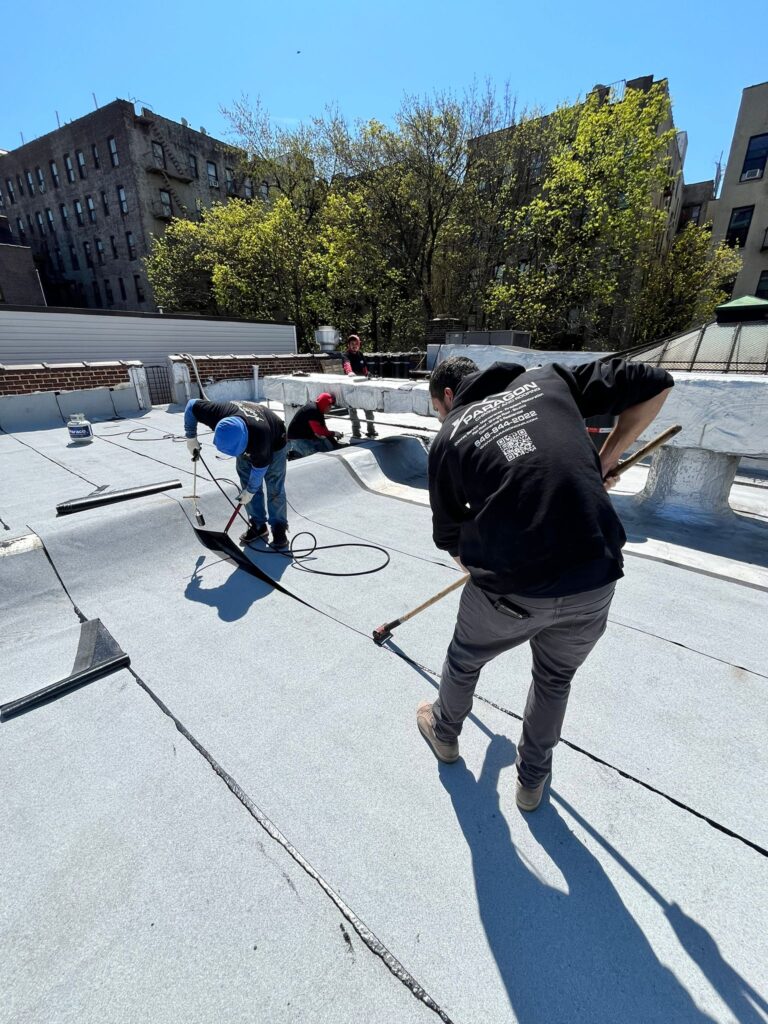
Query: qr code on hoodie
[516,444]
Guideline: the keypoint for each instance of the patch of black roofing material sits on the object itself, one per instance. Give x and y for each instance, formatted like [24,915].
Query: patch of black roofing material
[96,500]
[98,655]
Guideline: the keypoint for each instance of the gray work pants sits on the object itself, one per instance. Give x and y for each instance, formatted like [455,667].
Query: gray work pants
[561,631]
[355,421]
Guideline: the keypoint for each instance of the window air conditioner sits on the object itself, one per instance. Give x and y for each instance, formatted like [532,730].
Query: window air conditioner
[750,175]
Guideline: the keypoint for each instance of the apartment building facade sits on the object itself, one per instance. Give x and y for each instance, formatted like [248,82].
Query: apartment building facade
[740,215]
[88,198]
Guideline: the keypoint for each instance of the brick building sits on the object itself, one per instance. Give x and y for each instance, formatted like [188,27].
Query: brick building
[19,280]
[88,197]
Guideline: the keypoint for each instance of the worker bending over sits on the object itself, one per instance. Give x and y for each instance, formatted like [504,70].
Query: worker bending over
[308,432]
[256,436]
[518,496]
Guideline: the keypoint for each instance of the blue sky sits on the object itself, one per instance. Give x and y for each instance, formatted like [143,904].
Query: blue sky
[186,60]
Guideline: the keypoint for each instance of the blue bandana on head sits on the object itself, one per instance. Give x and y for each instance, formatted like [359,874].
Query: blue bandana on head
[231,436]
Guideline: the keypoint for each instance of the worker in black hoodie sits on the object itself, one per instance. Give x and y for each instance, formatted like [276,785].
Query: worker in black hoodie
[518,496]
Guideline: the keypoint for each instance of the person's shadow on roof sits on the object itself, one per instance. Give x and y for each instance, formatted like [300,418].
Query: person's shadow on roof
[240,590]
[573,955]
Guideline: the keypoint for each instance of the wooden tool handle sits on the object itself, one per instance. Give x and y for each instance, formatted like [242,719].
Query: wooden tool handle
[437,597]
[641,453]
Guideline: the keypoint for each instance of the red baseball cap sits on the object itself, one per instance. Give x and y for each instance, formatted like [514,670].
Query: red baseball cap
[325,401]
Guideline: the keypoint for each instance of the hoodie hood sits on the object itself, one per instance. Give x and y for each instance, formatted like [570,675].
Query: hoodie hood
[480,385]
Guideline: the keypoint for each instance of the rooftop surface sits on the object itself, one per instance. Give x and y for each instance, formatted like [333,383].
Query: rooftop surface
[245,825]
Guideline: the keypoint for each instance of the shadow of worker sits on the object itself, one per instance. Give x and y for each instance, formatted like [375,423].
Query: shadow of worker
[565,954]
[233,598]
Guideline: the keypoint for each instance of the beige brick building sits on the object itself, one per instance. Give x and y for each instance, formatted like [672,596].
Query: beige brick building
[740,215]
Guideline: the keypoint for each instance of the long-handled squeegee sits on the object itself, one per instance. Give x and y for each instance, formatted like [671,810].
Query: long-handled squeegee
[383,633]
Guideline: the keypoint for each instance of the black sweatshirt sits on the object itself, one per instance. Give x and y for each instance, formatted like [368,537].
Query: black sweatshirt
[266,431]
[300,428]
[515,483]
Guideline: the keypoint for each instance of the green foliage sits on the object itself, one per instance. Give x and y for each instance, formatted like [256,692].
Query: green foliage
[465,206]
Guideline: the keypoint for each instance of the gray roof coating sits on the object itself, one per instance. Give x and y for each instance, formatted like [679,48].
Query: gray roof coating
[246,824]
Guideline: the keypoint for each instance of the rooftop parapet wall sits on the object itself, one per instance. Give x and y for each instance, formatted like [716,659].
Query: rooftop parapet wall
[27,378]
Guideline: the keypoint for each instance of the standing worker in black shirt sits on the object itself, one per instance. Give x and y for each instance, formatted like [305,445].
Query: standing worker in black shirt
[518,497]
[354,365]
[256,436]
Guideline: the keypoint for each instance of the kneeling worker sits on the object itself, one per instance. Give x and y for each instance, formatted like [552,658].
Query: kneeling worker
[256,436]
[308,432]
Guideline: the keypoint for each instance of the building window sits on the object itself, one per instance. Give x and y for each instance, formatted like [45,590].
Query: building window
[68,167]
[22,229]
[229,177]
[100,252]
[95,155]
[140,297]
[31,225]
[105,203]
[54,173]
[121,199]
[30,182]
[165,203]
[79,212]
[113,243]
[131,243]
[2,201]
[108,292]
[60,260]
[20,183]
[264,190]
[248,188]
[81,163]
[96,293]
[51,222]
[158,154]
[91,209]
[123,292]
[690,214]
[40,223]
[192,160]
[213,174]
[64,216]
[11,193]
[113,151]
[762,286]
[88,255]
[738,227]
[754,161]
[40,179]
[73,258]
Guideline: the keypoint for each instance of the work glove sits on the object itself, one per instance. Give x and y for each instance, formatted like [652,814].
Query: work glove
[338,435]
[194,447]
[245,496]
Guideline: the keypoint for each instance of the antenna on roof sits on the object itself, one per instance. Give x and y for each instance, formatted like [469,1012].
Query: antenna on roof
[22,137]
[718,174]
[58,119]
[95,101]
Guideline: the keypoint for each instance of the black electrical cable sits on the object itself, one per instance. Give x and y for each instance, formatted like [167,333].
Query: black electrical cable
[298,556]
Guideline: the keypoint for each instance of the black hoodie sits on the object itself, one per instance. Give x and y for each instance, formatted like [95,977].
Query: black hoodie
[515,483]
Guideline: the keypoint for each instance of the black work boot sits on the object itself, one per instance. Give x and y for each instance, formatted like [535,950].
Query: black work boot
[280,536]
[255,531]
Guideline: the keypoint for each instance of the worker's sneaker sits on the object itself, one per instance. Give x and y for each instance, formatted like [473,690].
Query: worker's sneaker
[425,719]
[356,435]
[529,798]
[280,537]
[256,531]
[372,434]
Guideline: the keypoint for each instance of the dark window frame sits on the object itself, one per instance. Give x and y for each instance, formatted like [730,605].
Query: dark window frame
[54,173]
[158,154]
[115,250]
[64,214]
[130,242]
[757,161]
[123,292]
[213,178]
[737,236]
[194,170]
[100,253]
[122,199]
[95,156]
[82,169]
[141,295]
[105,202]
[761,292]
[69,167]
[79,215]
[114,156]
[91,206]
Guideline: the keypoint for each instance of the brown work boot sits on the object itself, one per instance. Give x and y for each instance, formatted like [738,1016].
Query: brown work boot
[425,719]
[529,798]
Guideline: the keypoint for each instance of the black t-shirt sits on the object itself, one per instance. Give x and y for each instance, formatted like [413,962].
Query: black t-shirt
[266,431]
[516,485]
[357,361]
[299,428]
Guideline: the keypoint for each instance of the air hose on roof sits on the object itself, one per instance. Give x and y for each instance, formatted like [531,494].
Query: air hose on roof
[191,358]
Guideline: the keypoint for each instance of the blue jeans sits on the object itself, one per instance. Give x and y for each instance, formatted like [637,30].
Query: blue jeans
[274,481]
[302,447]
